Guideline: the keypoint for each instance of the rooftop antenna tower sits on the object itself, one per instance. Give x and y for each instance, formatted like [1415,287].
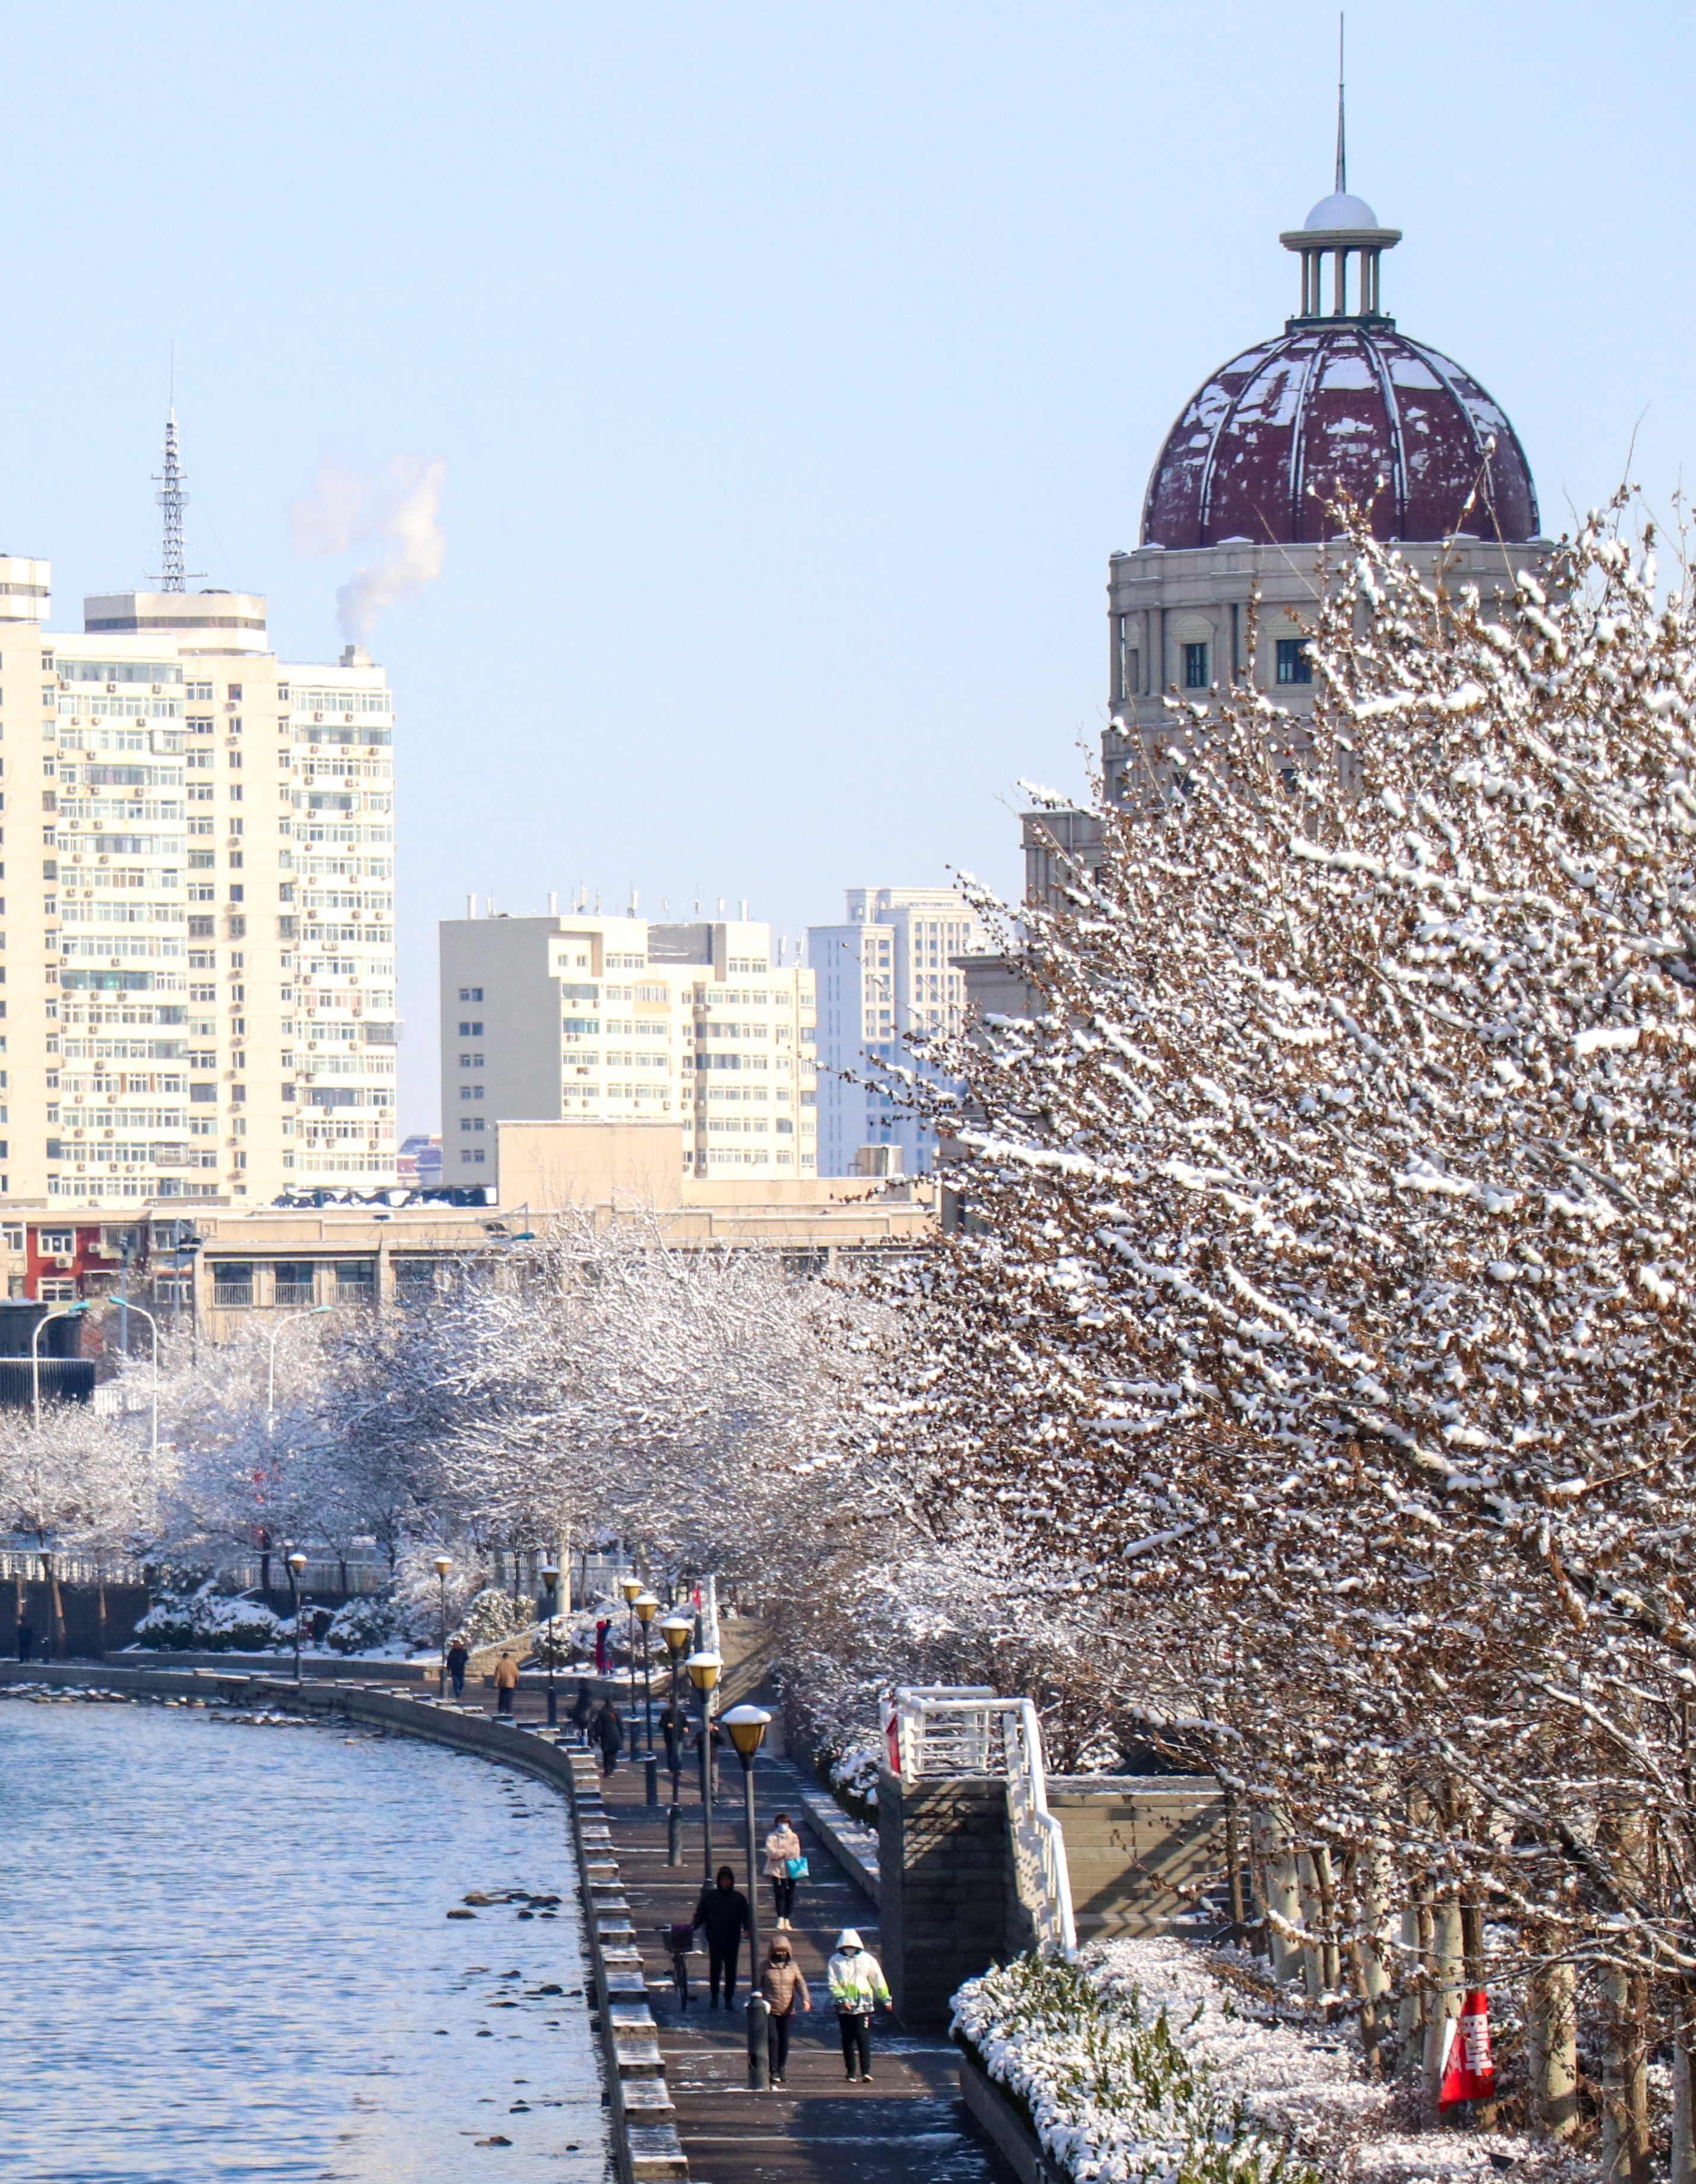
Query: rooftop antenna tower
[172,497]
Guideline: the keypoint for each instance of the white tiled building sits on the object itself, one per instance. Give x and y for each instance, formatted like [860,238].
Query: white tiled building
[883,974]
[560,1017]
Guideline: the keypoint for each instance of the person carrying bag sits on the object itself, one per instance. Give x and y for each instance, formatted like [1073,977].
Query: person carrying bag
[785,1864]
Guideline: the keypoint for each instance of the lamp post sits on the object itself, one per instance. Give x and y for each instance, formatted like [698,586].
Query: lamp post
[703,1673]
[550,1578]
[645,1608]
[678,1633]
[153,1325]
[71,1312]
[630,1587]
[747,1725]
[296,1563]
[442,1565]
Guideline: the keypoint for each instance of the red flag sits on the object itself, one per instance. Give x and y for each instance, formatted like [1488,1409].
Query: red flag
[892,1735]
[1469,2074]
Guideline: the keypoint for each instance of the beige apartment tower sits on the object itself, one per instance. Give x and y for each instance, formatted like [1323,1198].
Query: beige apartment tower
[579,1018]
[196,996]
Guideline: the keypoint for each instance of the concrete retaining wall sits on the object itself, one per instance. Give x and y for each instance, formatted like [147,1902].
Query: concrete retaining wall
[1142,1849]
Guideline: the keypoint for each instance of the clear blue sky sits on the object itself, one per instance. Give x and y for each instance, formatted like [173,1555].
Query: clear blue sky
[795,367]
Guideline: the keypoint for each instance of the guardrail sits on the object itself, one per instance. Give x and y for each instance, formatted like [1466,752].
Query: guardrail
[941,1732]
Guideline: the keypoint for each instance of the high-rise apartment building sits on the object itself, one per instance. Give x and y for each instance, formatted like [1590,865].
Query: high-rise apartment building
[608,1019]
[198,981]
[885,974]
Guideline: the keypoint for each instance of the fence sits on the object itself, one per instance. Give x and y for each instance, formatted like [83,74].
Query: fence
[27,1563]
[941,1733]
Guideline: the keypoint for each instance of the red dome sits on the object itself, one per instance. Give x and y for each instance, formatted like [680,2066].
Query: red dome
[1350,405]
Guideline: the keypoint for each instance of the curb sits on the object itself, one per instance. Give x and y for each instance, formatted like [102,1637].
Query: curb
[1008,2131]
[852,1843]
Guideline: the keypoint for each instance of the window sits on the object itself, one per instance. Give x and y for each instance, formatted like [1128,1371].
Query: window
[56,1290]
[53,1243]
[470,1061]
[233,1282]
[467,1159]
[471,1091]
[1294,662]
[473,1122]
[235,694]
[1196,666]
[471,1031]
[471,993]
[355,1281]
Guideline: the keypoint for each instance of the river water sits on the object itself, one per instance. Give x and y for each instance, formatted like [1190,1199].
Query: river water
[227,1957]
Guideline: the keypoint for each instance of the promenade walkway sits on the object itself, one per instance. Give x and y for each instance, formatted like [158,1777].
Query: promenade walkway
[908,2126]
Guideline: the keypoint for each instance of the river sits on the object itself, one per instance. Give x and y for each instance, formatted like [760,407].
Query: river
[228,1957]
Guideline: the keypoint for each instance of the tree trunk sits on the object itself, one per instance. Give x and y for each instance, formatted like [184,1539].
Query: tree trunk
[1624,2118]
[1682,2167]
[1447,1975]
[1283,1901]
[1552,2030]
[1233,1858]
[1371,1973]
[100,1609]
[1330,1953]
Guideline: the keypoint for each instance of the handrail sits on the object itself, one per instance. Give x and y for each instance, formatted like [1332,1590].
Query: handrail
[942,1732]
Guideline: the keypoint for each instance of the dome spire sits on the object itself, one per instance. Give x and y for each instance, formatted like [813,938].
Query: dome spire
[1341,227]
[1342,143]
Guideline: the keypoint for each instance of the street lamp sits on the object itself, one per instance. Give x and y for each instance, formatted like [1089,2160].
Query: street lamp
[296,1563]
[748,1726]
[631,1587]
[678,1633]
[70,1311]
[444,1564]
[550,1578]
[703,1673]
[152,1324]
[645,1608]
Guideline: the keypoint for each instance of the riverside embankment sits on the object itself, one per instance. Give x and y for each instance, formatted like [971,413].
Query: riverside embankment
[229,1955]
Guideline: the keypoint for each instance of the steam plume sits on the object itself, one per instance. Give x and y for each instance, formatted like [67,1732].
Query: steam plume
[399,507]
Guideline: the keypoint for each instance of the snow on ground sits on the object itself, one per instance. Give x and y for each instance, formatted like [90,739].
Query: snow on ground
[1149,2062]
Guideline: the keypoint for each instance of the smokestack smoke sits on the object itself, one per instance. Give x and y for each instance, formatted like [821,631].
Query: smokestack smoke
[397,506]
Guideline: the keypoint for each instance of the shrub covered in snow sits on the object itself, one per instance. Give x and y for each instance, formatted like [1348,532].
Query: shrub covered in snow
[1133,2065]
[363,1624]
[208,1621]
[852,1774]
[492,1614]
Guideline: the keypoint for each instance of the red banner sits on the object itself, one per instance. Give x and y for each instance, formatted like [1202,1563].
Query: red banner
[1469,2074]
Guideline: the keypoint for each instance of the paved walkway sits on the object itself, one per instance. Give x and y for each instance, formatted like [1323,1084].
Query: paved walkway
[908,2126]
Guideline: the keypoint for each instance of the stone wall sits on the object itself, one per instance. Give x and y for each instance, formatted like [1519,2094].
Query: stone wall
[125,1605]
[945,1889]
[1143,1850]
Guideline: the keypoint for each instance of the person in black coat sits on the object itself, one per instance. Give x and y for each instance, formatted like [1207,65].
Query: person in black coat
[723,1911]
[607,1730]
[582,1708]
[26,1639]
[674,1727]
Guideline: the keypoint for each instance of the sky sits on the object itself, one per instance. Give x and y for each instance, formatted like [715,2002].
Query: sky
[793,369]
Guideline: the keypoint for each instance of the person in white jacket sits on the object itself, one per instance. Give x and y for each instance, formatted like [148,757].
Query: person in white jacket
[857,1985]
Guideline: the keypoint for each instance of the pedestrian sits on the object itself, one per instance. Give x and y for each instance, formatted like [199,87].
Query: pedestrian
[505,1682]
[785,1864]
[459,1660]
[27,1638]
[608,1732]
[785,1989]
[857,1985]
[674,1728]
[583,1707]
[601,1630]
[723,1911]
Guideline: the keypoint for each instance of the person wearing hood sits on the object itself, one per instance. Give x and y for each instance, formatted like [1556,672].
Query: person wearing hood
[723,1911]
[582,1708]
[857,1985]
[785,1992]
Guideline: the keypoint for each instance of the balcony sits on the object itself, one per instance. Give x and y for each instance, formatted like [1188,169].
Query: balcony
[292,1293]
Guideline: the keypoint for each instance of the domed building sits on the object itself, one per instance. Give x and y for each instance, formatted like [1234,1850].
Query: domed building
[1342,403]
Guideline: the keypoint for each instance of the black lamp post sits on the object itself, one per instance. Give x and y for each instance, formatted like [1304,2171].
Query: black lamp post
[296,1563]
[550,1578]
[677,1631]
[443,1563]
[645,1608]
[631,1587]
[703,1673]
[747,1725]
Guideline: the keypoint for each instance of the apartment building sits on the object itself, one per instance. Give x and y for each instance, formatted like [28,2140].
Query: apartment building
[883,975]
[197,994]
[608,1019]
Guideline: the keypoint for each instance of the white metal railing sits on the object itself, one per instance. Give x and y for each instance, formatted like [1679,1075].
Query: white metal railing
[27,1563]
[942,1732]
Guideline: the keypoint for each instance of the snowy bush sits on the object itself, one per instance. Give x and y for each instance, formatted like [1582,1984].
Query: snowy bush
[208,1621]
[852,1774]
[493,1614]
[363,1624]
[1132,2065]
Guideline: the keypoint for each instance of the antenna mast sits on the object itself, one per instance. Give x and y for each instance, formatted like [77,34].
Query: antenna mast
[1341,151]
[173,499]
